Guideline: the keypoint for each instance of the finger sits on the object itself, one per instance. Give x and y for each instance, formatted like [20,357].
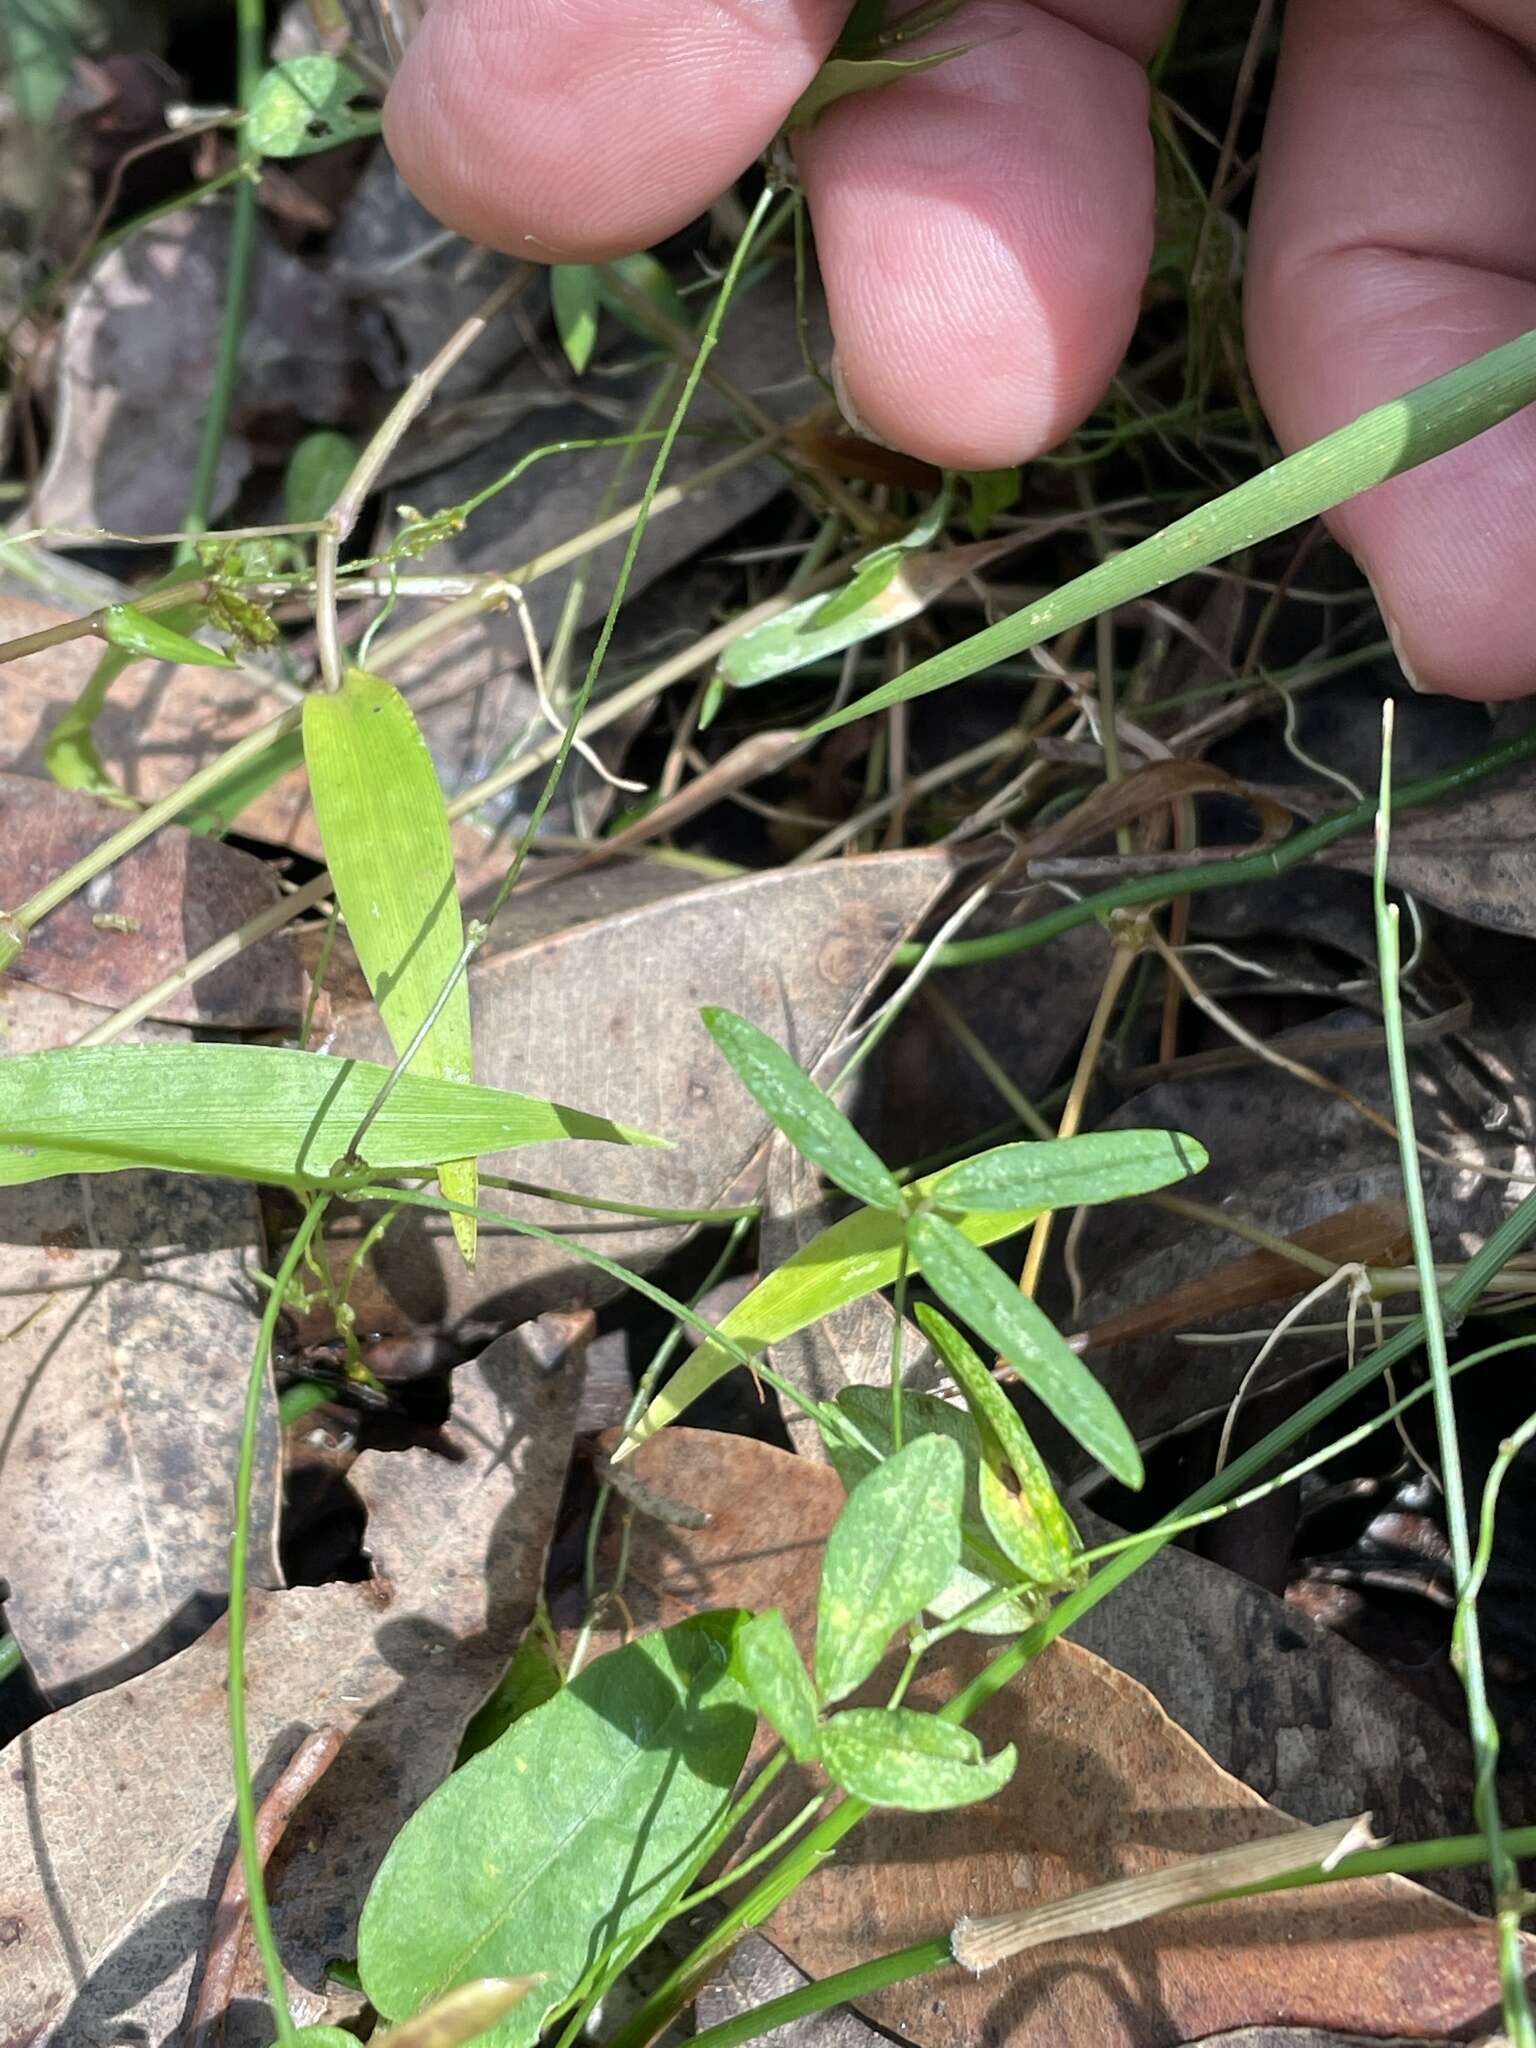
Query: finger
[579,129]
[984,229]
[1394,236]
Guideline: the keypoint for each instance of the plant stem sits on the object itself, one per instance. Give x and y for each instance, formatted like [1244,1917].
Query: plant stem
[10,1655]
[250,38]
[1516,1230]
[847,1986]
[1466,1638]
[1221,874]
[239,1568]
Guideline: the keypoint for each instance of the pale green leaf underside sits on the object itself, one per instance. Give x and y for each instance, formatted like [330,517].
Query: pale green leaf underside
[893,1550]
[252,1112]
[891,1756]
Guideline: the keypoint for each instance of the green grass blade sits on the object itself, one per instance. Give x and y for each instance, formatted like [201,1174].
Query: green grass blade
[254,1112]
[981,1295]
[387,843]
[1070,1173]
[810,1120]
[1381,443]
[847,1260]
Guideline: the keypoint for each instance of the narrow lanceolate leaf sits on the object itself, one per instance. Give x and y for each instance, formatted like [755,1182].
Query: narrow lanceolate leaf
[971,1284]
[1070,1173]
[849,1259]
[1018,1502]
[131,631]
[584,1820]
[574,300]
[776,1682]
[385,829]
[892,1551]
[811,1121]
[254,1112]
[892,1756]
[1381,443]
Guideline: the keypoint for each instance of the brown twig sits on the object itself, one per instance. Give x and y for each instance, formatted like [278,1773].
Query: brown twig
[303,1771]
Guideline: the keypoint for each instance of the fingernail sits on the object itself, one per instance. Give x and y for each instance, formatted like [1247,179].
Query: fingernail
[849,410]
[1396,638]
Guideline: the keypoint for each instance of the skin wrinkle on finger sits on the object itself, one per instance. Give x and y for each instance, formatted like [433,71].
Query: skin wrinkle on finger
[984,231]
[1394,236]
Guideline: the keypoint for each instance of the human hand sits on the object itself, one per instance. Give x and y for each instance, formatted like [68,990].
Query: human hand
[984,228]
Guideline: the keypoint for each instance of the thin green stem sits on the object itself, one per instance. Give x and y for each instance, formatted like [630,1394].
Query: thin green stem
[10,1656]
[250,39]
[1466,1638]
[847,1986]
[1222,874]
[239,1572]
[1517,1229]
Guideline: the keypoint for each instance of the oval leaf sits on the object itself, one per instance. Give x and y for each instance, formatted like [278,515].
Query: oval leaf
[810,1120]
[387,843]
[892,1551]
[891,1756]
[317,474]
[1071,1173]
[769,1667]
[253,1112]
[307,104]
[1018,1502]
[1011,1323]
[582,1821]
[848,1259]
[984,1566]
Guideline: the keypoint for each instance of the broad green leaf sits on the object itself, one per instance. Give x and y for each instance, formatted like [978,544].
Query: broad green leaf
[307,104]
[892,1756]
[1070,1173]
[1018,1502]
[849,1259]
[40,43]
[316,475]
[840,76]
[971,1284]
[387,843]
[575,299]
[254,1112]
[891,1552]
[581,1822]
[138,633]
[769,1667]
[992,491]
[812,1121]
[983,1566]
[530,1679]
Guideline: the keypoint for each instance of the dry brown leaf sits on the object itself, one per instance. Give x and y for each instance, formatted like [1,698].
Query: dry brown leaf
[606,1015]
[1108,1787]
[115,1815]
[128,1322]
[1370,1233]
[146,915]
[1284,1155]
[146,322]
